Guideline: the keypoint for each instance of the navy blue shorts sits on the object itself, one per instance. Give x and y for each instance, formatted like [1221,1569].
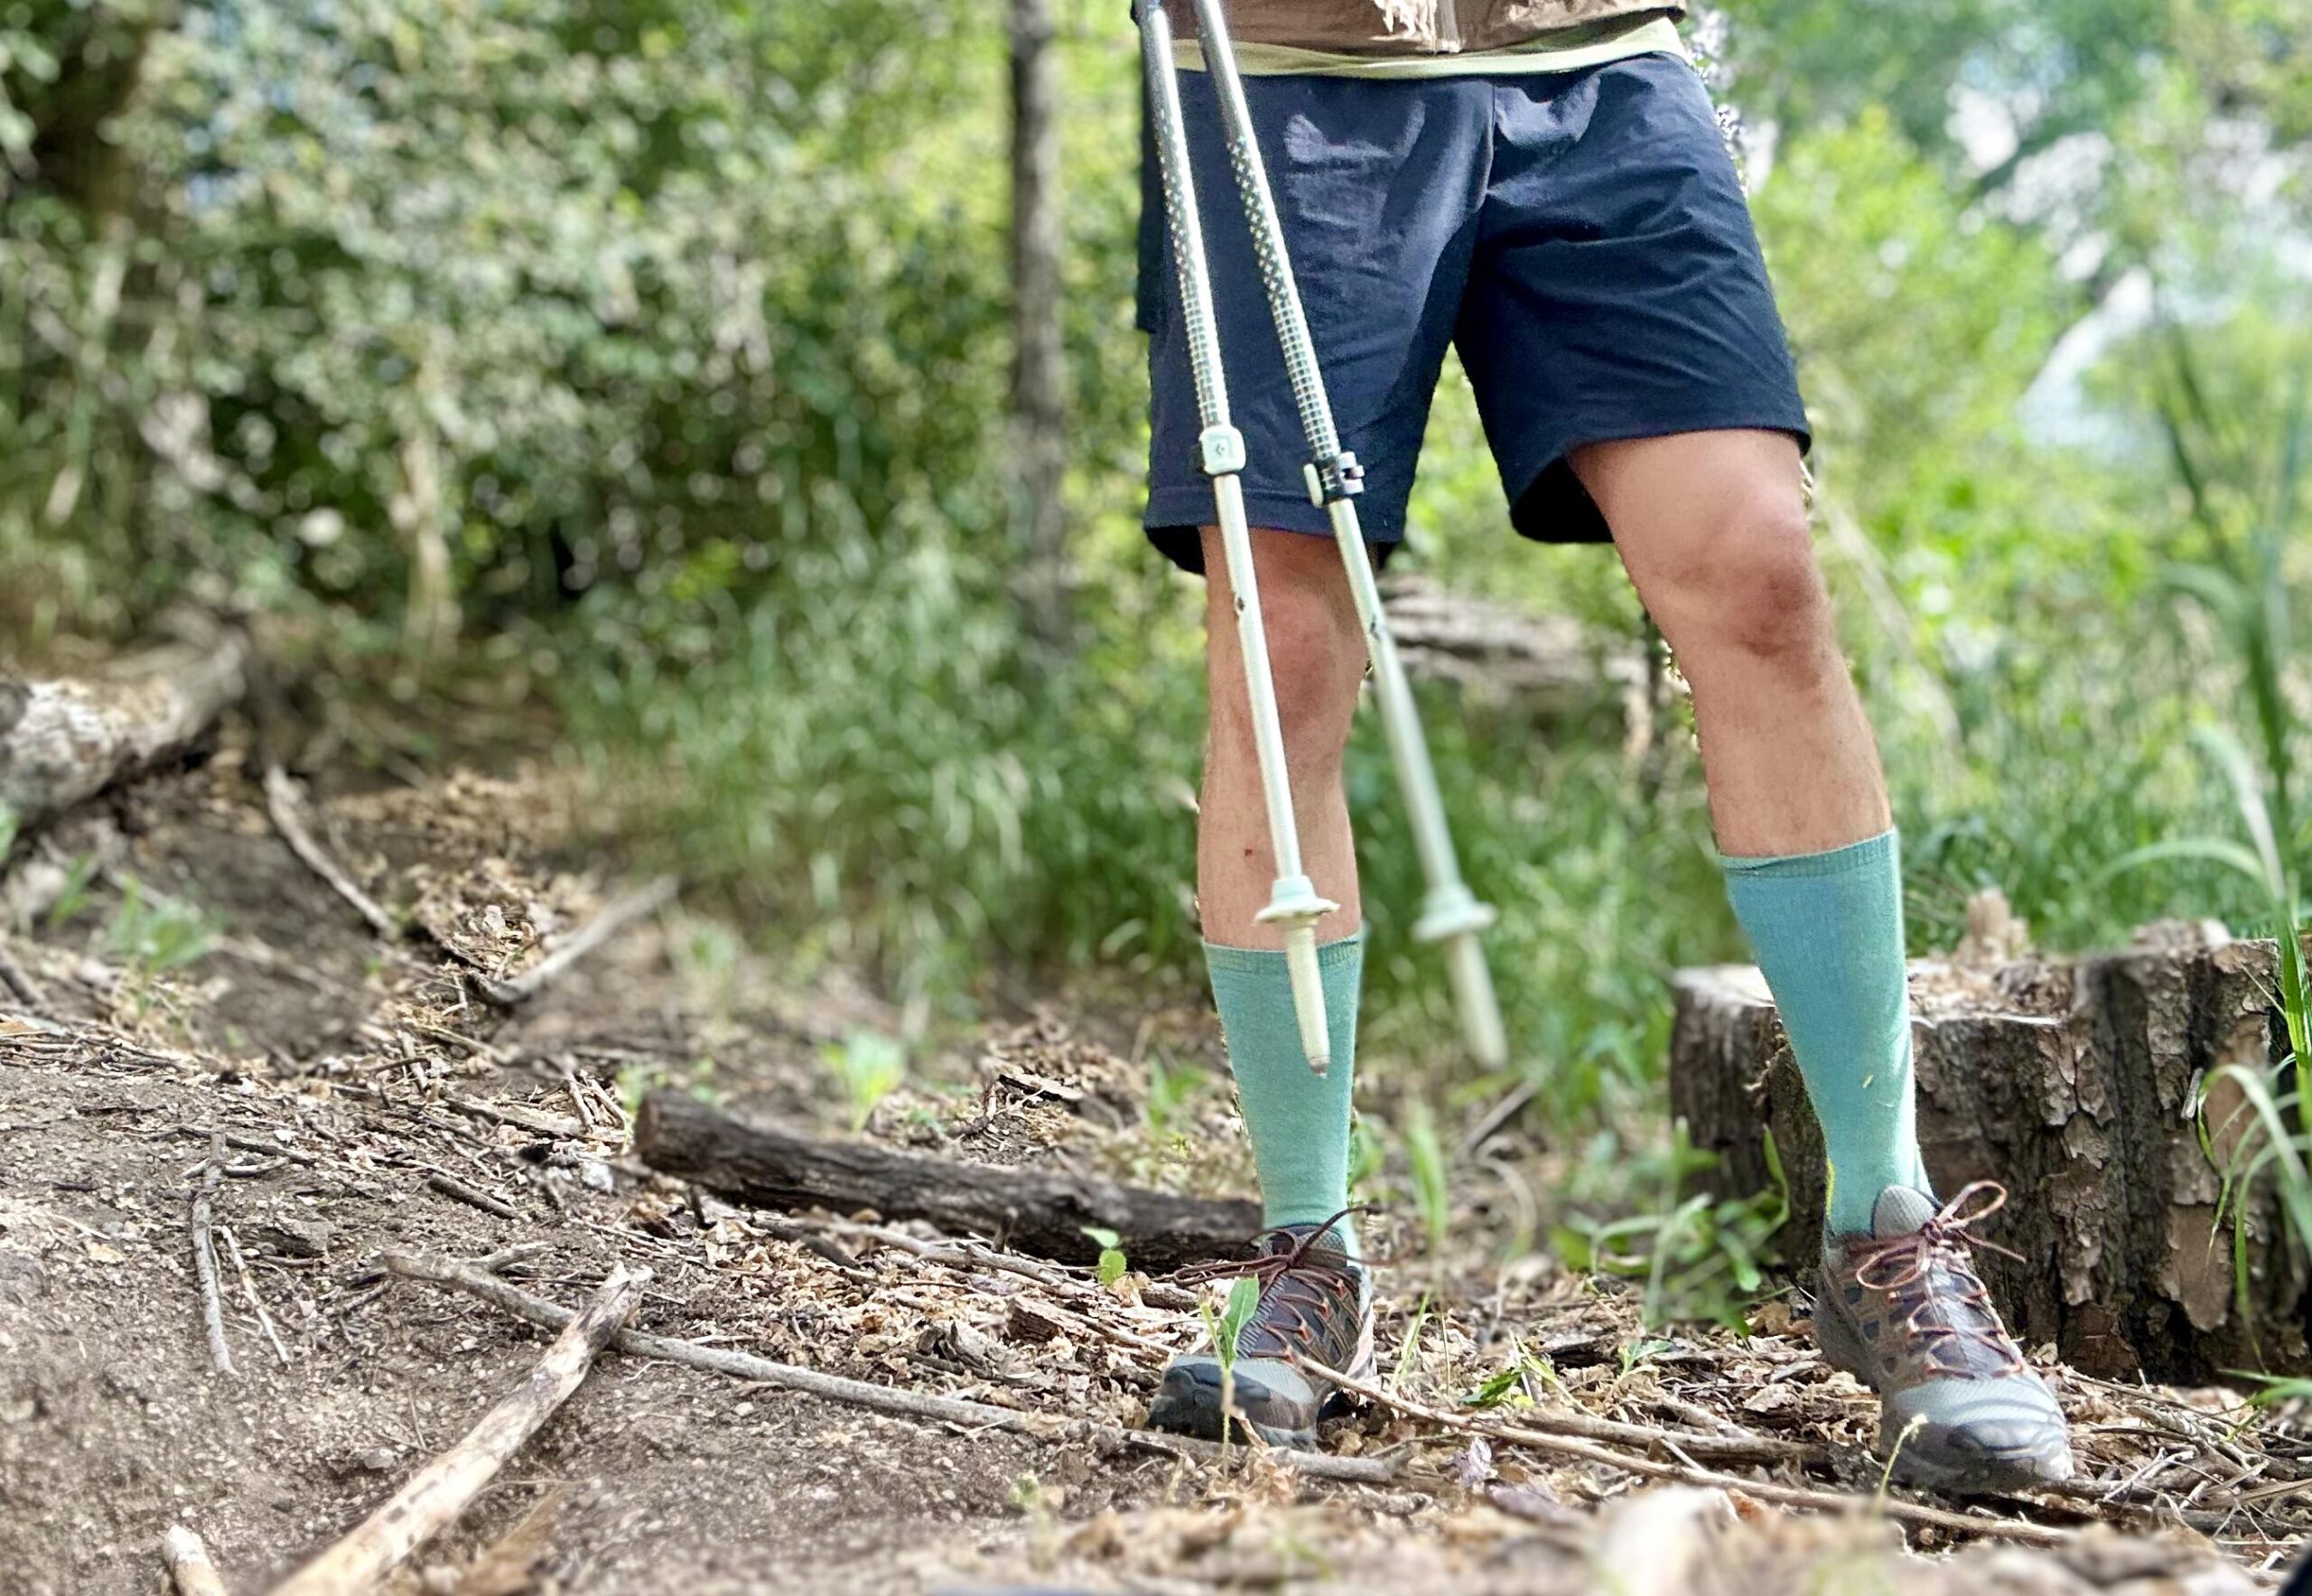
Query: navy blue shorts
[1581,237]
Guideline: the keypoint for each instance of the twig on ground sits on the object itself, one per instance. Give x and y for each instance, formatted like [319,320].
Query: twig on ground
[248,1289]
[281,800]
[972,1254]
[25,990]
[520,989]
[1788,1496]
[535,1121]
[434,1496]
[888,1399]
[187,1564]
[450,1186]
[204,1256]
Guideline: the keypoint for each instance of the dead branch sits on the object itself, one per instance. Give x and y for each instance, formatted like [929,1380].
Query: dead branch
[450,1186]
[204,1256]
[280,799]
[440,1492]
[520,989]
[1041,1211]
[248,1289]
[1786,1496]
[61,741]
[187,1564]
[887,1399]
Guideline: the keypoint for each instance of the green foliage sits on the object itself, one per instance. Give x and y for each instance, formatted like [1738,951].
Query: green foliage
[1112,1263]
[869,1066]
[152,934]
[1432,1194]
[1226,1328]
[1171,1087]
[1700,1258]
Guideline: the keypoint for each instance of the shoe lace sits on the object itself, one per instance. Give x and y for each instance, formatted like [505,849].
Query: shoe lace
[1932,1268]
[1292,1283]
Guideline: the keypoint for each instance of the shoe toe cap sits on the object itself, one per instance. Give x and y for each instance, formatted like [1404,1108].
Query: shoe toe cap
[2006,1432]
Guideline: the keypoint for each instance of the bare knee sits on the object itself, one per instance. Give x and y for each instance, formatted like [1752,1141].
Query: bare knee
[1316,650]
[1749,589]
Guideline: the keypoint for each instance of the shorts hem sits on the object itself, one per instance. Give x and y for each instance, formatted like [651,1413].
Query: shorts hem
[1175,513]
[1581,522]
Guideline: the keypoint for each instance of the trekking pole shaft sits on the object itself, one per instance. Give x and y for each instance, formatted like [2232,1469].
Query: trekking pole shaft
[1451,913]
[1293,902]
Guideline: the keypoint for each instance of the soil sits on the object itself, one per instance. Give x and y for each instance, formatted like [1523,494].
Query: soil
[195,981]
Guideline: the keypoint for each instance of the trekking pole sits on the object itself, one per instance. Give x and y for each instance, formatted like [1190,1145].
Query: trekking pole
[1293,902]
[1450,913]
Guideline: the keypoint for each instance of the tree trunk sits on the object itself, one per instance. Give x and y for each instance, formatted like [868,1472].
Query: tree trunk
[2072,1084]
[61,741]
[1041,1211]
[1039,414]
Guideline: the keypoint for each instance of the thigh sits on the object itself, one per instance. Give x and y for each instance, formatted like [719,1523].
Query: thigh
[1617,290]
[1377,186]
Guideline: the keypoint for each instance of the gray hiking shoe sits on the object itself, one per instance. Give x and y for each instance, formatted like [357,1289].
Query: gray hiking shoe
[1314,1301]
[1902,1311]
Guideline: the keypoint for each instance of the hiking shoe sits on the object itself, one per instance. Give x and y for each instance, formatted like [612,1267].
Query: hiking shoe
[1903,1310]
[1314,1301]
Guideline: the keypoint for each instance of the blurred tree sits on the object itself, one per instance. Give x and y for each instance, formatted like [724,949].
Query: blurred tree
[1038,403]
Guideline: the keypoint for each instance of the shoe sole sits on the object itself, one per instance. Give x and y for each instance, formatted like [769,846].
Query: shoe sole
[1984,1474]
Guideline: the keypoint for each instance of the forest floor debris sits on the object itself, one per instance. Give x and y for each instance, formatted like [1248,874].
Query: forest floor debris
[338,1097]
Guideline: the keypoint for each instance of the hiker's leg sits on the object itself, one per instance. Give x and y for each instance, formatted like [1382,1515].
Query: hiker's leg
[1299,1122]
[1712,528]
[1316,655]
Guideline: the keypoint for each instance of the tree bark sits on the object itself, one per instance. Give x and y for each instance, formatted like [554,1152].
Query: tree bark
[1038,405]
[63,742]
[2073,1084]
[1040,1211]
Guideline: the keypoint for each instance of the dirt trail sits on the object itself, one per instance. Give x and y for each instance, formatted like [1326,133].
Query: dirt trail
[362,1084]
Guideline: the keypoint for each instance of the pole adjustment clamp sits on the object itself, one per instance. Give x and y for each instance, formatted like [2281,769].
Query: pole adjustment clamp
[1330,480]
[1221,450]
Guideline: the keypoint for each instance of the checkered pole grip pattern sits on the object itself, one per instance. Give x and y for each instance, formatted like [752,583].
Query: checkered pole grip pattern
[1182,225]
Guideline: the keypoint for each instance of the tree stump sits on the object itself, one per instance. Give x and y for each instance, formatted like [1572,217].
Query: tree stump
[2073,1083]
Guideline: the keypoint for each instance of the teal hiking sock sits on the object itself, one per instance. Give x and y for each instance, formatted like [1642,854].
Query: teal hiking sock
[1299,1121]
[1828,932]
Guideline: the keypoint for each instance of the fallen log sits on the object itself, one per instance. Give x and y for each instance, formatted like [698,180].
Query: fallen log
[1041,1211]
[1550,664]
[2082,1085]
[441,1490]
[65,740]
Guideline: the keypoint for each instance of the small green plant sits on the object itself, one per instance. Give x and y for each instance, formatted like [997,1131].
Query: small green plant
[868,1066]
[151,934]
[73,897]
[1171,1088]
[637,1081]
[2277,1388]
[1369,1162]
[707,955]
[1412,1344]
[1513,1384]
[1112,1263]
[1699,1257]
[1432,1195]
[1226,1328]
